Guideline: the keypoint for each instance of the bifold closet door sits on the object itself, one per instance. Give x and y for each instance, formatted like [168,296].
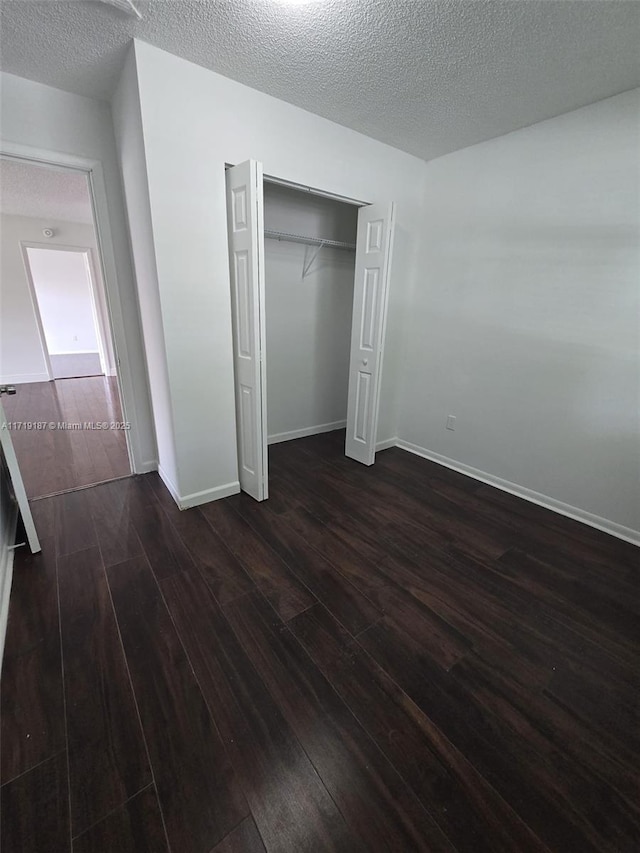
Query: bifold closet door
[370,296]
[246,254]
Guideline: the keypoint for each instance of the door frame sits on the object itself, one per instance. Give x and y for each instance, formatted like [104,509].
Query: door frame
[106,261]
[99,321]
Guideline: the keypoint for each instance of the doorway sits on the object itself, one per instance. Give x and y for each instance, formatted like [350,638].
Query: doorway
[367,230]
[57,353]
[68,308]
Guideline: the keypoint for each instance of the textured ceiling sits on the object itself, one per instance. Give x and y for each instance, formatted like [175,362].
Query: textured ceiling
[427,77]
[44,193]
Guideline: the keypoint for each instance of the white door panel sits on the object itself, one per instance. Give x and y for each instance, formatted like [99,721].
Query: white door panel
[246,252]
[370,296]
[17,484]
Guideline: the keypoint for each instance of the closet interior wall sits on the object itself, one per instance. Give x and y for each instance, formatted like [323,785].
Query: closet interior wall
[308,314]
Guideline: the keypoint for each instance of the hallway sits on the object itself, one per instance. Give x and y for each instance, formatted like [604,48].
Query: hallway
[55,458]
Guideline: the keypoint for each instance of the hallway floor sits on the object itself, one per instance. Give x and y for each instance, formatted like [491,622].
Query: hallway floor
[53,459]
[395,658]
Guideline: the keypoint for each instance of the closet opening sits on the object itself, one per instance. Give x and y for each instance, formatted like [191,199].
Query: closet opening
[309,253]
[309,284]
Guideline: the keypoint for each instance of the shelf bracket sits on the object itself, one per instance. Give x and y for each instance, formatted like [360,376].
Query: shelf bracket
[309,264]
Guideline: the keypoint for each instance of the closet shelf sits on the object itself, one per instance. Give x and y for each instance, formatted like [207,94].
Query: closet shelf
[310,241]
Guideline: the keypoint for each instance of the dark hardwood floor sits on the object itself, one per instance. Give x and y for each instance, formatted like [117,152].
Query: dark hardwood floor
[55,460]
[394,658]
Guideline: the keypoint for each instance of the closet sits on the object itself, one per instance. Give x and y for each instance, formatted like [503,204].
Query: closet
[309,272]
[309,276]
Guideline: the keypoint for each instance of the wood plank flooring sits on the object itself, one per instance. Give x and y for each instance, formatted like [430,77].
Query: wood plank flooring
[56,460]
[395,658]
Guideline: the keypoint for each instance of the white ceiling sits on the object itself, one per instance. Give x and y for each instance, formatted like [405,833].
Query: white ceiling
[43,193]
[427,76]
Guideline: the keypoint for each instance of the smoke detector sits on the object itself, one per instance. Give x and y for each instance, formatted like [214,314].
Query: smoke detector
[125,6]
[48,232]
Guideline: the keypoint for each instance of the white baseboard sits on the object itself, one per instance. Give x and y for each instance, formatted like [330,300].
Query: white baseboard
[386,443]
[173,491]
[278,437]
[147,467]
[208,495]
[23,378]
[6,577]
[197,498]
[604,524]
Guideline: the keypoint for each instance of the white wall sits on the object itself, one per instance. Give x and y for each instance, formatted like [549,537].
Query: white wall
[524,318]
[129,139]
[194,121]
[21,355]
[308,319]
[45,119]
[61,283]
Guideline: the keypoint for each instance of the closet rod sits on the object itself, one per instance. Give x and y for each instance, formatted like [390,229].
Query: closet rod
[311,241]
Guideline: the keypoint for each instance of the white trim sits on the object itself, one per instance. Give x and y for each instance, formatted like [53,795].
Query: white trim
[148,467]
[386,443]
[35,307]
[95,311]
[173,491]
[278,437]
[24,378]
[76,352]
[198,498]
[604,524]
[6,576]
[209,495]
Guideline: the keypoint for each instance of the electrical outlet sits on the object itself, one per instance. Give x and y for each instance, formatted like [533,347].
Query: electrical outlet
[451,422]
